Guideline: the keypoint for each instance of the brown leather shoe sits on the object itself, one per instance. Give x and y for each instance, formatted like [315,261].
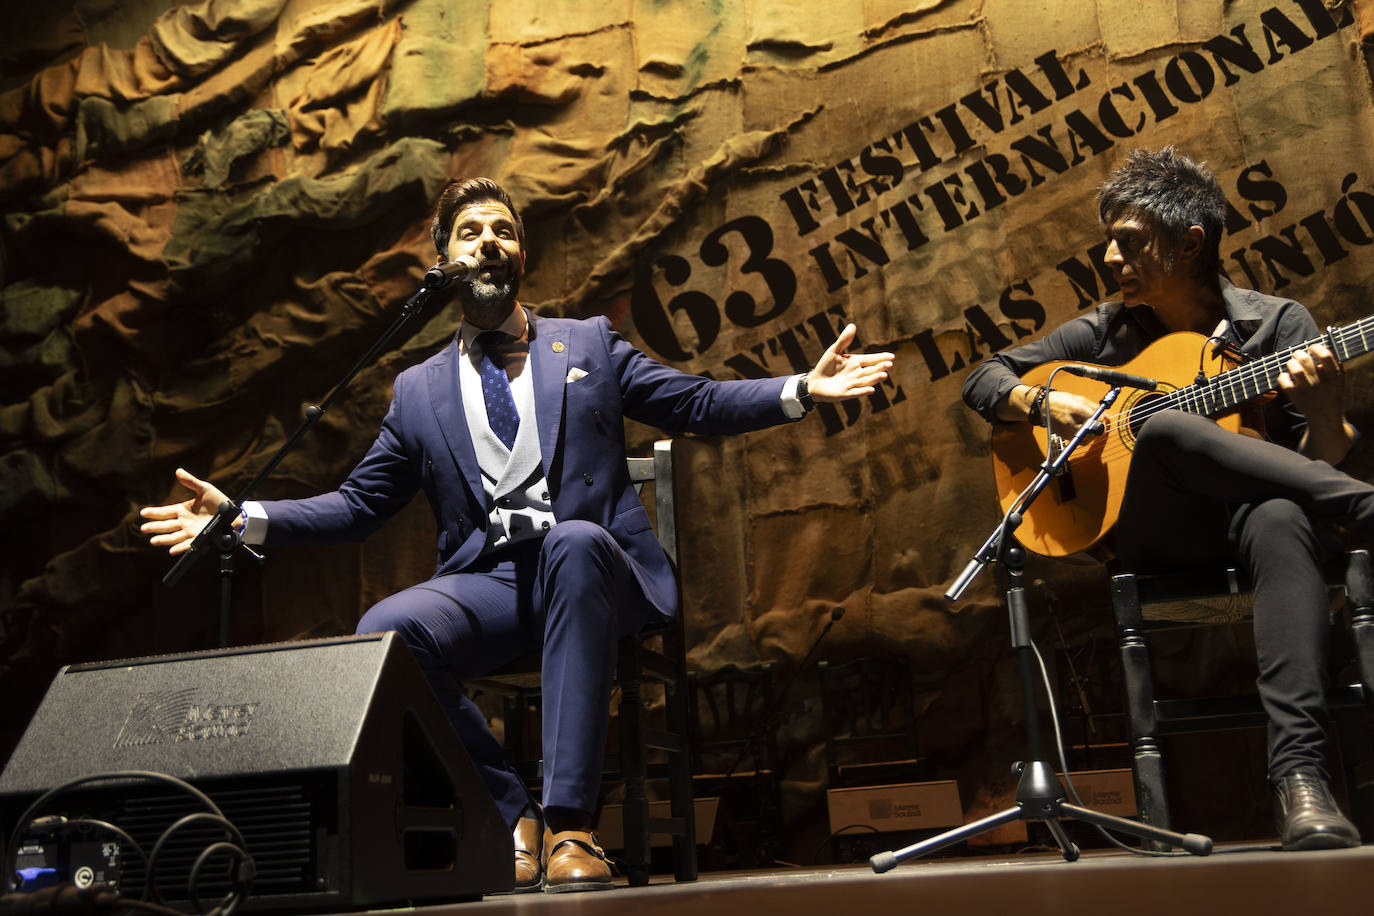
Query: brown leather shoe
[529,854]
[574,862]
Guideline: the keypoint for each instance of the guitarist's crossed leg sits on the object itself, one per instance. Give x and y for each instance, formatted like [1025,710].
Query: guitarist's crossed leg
[1187,471]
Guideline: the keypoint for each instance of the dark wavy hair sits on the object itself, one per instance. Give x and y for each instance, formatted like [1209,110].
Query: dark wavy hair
[459,193]
[1173,193]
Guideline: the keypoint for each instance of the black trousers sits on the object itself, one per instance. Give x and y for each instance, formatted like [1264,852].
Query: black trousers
[1197,495]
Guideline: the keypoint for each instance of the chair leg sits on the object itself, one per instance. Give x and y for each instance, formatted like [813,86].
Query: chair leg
[634,767]
[676,693]
[1359,591]
[1140,702]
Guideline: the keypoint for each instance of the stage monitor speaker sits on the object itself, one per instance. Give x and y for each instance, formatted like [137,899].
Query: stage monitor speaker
[332,757]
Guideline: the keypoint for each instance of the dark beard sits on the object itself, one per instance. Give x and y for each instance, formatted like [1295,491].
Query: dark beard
[487,305]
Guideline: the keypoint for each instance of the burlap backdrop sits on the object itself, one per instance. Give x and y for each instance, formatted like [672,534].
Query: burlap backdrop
[212,208]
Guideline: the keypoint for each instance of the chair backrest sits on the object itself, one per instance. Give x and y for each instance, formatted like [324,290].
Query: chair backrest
[658,469]
[729,712]
[868,710]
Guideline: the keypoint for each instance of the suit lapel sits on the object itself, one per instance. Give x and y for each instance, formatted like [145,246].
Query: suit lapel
[549,363]
[447,400]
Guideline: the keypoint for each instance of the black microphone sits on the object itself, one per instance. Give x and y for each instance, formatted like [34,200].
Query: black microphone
[1112,377]
[441,275]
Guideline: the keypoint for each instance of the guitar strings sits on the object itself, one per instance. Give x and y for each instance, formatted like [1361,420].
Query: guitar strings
[1179,398]
[1267,367]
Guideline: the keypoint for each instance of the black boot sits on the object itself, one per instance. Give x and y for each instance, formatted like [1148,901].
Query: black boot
[1307,815]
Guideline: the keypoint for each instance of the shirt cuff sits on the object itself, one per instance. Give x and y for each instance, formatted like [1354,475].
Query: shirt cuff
[255,527]
[791,405]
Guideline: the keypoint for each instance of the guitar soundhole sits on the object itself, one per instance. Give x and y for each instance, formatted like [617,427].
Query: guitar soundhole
[1139,411]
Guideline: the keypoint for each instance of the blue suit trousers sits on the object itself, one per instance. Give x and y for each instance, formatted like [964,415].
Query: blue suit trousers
[570,595]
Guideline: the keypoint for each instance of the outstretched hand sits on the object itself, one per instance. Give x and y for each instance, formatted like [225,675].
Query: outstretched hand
[175,526]
[840,375]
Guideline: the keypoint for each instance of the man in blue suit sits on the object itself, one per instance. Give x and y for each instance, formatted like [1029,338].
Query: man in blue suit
[515,432]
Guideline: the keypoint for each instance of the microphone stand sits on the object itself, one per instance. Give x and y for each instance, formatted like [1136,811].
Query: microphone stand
[1039,794]
[219,532]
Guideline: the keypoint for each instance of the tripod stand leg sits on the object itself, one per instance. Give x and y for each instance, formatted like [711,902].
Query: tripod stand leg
[1067,846]
[885,861]
[1194,843]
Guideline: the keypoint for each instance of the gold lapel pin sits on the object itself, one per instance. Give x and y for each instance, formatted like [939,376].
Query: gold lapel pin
[558,346]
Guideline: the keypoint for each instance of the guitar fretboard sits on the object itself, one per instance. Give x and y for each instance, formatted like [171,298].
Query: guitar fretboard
[1236,386]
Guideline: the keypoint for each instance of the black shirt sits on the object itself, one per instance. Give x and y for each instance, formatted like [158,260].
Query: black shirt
[1113,334]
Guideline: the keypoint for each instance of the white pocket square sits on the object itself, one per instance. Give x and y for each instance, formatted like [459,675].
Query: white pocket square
[574,374]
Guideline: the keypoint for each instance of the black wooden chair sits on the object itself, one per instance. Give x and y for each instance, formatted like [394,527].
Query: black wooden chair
[1142,603]
[656,655]
[735,758]
[868,712]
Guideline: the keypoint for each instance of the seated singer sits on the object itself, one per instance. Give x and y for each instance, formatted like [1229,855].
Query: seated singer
[1198,494]
[515,432]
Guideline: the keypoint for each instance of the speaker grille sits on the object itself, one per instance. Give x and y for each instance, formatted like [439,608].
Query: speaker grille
[282,822]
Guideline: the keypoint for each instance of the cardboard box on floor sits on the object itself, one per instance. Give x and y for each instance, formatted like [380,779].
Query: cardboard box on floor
[926,805]
[902,806]
[1106,791]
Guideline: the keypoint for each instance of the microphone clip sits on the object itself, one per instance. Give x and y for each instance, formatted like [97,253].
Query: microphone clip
[1053,449]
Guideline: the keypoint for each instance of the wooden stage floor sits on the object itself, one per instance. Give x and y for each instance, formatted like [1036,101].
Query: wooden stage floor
[1245,879]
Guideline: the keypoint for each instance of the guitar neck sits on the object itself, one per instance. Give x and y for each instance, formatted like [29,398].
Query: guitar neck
[1260,376]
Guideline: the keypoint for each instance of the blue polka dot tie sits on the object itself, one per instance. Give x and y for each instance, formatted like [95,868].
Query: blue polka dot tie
[501,414]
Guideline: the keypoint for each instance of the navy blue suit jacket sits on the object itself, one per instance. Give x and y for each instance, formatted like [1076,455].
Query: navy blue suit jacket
[424,444]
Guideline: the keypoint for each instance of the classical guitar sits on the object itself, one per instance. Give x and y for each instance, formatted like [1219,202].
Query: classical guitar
[1079,508]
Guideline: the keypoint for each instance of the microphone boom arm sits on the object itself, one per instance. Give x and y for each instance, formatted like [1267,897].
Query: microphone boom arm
[1051,467]
[229,509]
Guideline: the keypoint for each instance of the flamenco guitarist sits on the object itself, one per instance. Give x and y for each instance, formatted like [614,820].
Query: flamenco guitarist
[1198,494]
